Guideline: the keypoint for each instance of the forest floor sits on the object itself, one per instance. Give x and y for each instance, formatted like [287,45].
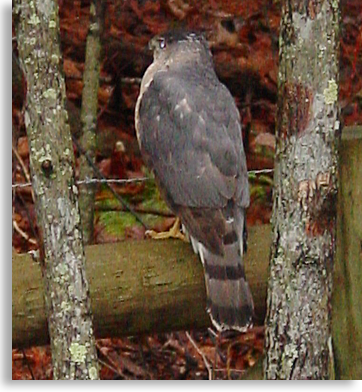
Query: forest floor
[244,41]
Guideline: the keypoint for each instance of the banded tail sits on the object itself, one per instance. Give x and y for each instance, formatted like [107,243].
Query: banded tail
[229,299]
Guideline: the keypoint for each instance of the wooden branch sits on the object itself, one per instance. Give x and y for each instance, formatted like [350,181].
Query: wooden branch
[347,290]
[89,116]
[136,287]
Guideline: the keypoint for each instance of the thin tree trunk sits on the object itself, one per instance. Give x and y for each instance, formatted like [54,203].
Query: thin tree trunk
[67,300]
[298,322]
[89,116]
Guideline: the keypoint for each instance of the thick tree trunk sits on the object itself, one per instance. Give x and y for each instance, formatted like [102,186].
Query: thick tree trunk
[89,116]
[298,323]
[51,161]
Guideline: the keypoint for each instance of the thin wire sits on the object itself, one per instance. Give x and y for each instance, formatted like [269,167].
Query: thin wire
[95,181]
[124,180]
[112,180]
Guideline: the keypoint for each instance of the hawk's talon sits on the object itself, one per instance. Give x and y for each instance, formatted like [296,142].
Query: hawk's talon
[174,232]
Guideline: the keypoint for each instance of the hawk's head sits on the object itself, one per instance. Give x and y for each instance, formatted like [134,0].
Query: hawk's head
[179,45]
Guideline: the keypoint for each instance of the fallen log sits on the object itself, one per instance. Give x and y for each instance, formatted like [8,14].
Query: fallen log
[136,287]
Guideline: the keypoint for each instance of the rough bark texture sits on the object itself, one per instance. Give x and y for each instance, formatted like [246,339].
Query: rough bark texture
[89,116]
[347,282]
[51,161]
[298,327]
[148,286]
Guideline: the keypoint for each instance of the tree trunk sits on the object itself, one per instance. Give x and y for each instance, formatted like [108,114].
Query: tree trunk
[89,116]
[347,292]
[298,323]
[67,300]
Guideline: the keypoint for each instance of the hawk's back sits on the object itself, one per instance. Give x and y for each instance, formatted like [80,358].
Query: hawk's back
[189,132]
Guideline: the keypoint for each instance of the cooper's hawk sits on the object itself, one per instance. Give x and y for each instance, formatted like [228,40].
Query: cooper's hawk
[189,132]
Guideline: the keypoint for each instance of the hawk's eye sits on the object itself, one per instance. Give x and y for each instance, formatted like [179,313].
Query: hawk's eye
[162,43]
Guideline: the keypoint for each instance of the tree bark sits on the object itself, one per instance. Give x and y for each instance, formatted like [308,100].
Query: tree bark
[136,287]
[298,323]
[67,300]
[347,282]
[89,116]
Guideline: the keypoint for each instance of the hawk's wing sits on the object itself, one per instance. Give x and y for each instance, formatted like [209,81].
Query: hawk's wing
[189,131]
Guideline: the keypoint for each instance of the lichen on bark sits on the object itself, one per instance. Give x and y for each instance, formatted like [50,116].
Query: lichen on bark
[298,328]
[52,169]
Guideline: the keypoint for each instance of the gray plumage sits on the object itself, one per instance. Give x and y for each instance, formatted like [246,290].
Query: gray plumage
[189,132]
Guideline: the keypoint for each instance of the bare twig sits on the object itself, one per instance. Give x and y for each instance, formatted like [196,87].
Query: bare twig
[23,168]
[23,234]
[203,356]
[28,364]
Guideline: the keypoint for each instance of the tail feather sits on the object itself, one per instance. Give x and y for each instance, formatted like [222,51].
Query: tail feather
[229,300]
